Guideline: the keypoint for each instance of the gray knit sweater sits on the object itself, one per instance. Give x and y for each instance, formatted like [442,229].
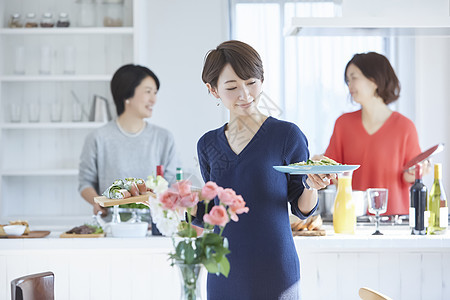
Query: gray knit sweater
[109,153]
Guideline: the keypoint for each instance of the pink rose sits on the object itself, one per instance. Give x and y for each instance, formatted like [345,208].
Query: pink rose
[189,200]
[182,187]
[169,199]
[238,207]
[227,196]
[217,216]
[210,190]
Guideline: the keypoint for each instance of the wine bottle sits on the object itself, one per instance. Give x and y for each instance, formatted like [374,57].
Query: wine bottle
[160,172]
[418,202]
[437,204]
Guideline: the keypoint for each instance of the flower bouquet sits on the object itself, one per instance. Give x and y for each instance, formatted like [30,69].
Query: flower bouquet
[194,248]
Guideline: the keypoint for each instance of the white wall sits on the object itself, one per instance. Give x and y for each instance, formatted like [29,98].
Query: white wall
[179,35]
[432,98]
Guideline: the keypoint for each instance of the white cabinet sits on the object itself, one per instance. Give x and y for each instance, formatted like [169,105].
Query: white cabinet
[39,69]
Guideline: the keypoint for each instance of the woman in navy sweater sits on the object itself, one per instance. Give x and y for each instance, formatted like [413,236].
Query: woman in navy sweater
[241,155]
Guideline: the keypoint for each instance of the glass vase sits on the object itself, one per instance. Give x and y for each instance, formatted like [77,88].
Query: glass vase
[190,279]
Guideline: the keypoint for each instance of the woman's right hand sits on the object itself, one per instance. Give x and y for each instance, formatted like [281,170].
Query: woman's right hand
[98,208]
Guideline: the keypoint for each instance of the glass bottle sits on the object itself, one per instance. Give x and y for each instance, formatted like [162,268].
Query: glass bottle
[160,172]
[47,20]
[344,215]
[31,20]
[179,174]
[63,20]
[437,204]
[418,202]
[15,21]
[113,13]
[86,13]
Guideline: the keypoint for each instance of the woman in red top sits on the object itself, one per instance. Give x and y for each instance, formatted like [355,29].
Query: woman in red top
[380,140]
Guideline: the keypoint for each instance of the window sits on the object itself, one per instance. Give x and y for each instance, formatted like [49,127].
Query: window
[304,76]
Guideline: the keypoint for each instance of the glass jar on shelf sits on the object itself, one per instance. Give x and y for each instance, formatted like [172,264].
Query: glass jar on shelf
[63,20]
[47,20]
[15,21]
[31,21]
[87,13]
[113,13]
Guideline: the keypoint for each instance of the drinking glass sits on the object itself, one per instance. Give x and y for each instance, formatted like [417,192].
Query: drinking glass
[33,112]
[46,57]
[19,62]
[77,112]
[16,112]
[55,112]
[377,199]
[69,60]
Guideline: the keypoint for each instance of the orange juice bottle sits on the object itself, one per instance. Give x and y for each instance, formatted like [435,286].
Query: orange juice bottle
[344,216]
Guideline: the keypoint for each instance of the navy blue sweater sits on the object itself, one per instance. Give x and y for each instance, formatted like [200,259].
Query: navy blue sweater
[263,258]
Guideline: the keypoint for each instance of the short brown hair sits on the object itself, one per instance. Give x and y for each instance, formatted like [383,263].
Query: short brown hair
[244,60]
[377,68]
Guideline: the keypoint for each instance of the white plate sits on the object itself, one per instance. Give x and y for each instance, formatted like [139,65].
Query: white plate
[300,170]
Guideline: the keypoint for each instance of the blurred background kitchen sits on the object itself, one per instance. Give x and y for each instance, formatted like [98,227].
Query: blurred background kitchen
[58,56]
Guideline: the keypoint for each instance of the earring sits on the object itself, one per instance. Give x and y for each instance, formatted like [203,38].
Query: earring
[218,103]
[127,101]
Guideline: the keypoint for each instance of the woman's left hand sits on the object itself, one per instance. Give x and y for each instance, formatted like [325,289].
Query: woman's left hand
[319,181]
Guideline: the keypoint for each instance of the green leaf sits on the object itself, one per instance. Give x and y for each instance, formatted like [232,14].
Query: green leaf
[212,266]
[189,254]
[212,239]
[224,266]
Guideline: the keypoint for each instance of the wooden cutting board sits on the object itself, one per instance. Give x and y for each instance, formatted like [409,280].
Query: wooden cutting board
[106,202]
[31,234]
[320,232]
[79,236]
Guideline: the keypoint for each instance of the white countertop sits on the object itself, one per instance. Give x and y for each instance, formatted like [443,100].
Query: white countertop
[394,237]
[397,237]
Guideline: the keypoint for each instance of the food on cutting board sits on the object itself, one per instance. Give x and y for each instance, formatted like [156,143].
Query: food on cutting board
[2,231]
[17,222]
[311,223]
[85,229]
[122,189]
[21,222]
[325,161]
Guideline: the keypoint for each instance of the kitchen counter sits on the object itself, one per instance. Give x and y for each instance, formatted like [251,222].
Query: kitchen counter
[332,266]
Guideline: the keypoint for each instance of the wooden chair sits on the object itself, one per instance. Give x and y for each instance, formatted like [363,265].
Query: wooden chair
[33,287]
[369,294]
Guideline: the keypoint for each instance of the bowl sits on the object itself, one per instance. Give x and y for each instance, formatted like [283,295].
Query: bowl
[129,230]
[14,229]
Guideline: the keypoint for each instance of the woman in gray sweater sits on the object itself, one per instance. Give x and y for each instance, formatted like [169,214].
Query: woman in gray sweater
[128,146]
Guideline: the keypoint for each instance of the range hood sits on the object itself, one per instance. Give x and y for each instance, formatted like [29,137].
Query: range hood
[370,26]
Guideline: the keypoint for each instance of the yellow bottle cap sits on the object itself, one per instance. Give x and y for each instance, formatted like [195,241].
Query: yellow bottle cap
[437,171]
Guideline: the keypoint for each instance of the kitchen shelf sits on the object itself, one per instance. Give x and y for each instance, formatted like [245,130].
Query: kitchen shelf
[53,78]
[41,172]
[369,26]
[68,31]
[44,156]
[53,125]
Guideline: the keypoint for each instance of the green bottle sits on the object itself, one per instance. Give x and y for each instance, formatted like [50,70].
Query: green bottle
[179,174]
[437,204]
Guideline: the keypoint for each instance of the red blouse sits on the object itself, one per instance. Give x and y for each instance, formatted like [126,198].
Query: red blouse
[381,155]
